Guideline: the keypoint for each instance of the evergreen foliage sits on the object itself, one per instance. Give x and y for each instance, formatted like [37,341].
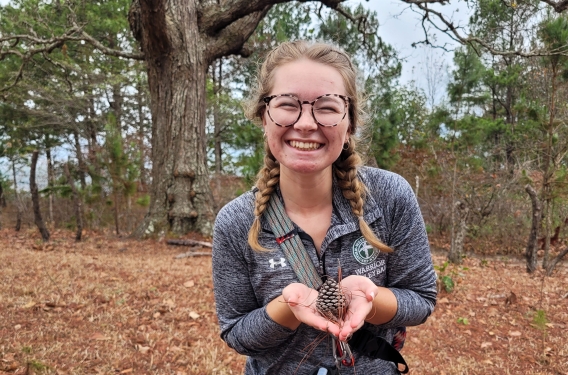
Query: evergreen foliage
[502,123]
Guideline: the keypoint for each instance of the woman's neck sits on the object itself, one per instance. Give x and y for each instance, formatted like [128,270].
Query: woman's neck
[305,194]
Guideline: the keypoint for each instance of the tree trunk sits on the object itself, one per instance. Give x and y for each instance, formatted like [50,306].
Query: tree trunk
[116,203]
[180,193]
[456,250]
[549,168]
[50,183]
[80,161]
[17,199]
[217,84]
[2,203]
[35,199]
[452,257]
[417,185]
[547,227]
[94,167]
[77,203]
[179,43]
[141,136]
[116,106]
[531,251]
[556,260]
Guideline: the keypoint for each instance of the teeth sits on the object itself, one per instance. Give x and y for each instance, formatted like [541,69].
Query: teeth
[305,145]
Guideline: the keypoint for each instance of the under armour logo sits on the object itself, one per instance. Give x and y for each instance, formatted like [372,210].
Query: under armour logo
[273,263]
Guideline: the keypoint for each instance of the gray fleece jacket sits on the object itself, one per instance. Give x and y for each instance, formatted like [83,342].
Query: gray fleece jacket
[245,280]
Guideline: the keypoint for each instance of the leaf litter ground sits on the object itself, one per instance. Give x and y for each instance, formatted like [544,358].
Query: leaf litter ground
[114,306]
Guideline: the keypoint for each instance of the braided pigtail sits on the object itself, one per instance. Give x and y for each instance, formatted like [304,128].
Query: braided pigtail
[354,191]
[268,178]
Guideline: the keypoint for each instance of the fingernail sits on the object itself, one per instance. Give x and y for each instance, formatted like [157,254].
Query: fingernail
[372,295]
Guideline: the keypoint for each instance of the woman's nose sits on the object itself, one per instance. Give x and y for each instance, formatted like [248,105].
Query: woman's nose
[306,122]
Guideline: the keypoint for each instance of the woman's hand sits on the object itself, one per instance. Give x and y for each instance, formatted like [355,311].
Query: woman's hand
[362,292]
[301,300]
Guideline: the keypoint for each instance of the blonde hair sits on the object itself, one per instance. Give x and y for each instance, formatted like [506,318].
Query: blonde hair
[345,167]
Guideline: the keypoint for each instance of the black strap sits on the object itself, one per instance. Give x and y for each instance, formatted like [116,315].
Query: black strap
[370,345]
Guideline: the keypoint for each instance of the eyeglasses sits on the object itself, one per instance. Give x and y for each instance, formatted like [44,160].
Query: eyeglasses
[327,110]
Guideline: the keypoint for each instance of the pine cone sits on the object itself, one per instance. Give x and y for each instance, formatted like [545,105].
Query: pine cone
[331,302]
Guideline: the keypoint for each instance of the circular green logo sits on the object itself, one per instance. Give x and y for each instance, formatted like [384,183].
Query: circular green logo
[363,252]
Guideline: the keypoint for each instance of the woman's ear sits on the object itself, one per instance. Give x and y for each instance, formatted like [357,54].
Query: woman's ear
[264,122]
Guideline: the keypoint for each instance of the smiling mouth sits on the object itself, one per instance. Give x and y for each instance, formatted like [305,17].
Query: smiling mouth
[305,146]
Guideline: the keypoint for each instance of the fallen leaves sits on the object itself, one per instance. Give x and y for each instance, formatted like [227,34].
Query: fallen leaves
[189,284]
[511,299]
[43,247]
[99,337]
[143,349]
[9,363]
[126,312]
[29,305]
[501,324]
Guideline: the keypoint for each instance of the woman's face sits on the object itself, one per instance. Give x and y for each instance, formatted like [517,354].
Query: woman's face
[306,147]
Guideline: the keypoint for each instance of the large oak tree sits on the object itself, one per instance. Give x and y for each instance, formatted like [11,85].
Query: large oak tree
[180,39]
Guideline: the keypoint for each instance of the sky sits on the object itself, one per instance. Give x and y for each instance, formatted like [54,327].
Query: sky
[400,26]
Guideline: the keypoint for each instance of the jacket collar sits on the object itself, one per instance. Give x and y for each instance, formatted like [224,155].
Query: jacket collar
[343,220]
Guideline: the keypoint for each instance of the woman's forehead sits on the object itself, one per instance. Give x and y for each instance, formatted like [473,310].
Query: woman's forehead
[307,79]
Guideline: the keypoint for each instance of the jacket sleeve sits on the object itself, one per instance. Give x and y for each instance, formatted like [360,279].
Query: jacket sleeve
[410,271]
[244,322]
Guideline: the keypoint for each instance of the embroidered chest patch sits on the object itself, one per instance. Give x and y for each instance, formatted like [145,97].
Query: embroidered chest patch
[363,252]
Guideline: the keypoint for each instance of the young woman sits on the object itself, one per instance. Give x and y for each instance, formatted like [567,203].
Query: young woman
[364,221]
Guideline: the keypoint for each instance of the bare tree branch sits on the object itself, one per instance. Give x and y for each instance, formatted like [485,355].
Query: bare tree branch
[232,38]
[108,51]
[215,17]
[559,6]
[42,45]
[454,32]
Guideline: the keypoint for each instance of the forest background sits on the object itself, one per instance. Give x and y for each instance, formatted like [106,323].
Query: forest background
[139,124]
[484,145]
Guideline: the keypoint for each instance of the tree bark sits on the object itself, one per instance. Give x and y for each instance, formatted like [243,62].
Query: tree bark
[77,203]
[178,45]
[549,167]
[116,205]
[35,199]
[17,199]
[2,203]
[80,161]
[141,137]
[456,251]
[217,84]
[50,183]
[531,250]
[452,257]
[552,264]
